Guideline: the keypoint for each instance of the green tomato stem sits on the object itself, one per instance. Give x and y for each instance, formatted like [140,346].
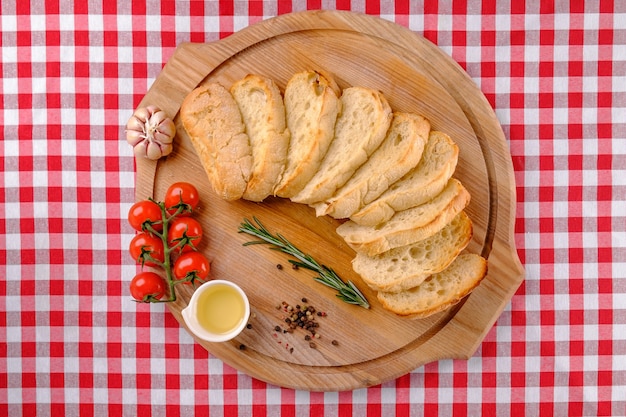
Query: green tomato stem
[166,252]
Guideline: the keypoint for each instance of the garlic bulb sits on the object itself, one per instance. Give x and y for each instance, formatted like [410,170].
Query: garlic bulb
[150,132]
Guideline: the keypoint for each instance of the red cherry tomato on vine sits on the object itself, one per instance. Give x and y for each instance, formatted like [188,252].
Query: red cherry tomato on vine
[147,286]
[145,246]
[181,194]
[145,212]
[192,266]
[185,232]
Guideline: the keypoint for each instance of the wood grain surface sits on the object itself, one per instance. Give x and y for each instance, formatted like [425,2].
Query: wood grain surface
[373,345]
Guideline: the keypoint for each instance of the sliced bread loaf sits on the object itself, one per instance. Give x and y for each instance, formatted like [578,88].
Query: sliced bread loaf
[407,266]
[212,120]
[407,226]
[439,291]
[398,154]
[361,127]
[263,112]
[428,179]
[311,106]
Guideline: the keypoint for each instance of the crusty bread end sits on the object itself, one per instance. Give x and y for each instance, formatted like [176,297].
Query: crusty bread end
[212,120]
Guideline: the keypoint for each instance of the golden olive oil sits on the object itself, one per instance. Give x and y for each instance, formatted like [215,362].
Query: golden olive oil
[220,309]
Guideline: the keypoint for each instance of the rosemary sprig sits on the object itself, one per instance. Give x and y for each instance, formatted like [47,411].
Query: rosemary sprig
[347,292]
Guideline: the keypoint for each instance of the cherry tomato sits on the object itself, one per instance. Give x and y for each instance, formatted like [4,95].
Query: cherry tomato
[145,246]
[145,212]
[181,194]
[147,286]
[185,232]
[192,266]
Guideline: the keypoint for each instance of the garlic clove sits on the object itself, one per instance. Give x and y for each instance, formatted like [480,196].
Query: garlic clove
[140,149]
[166,149]
[134,137]
[142,114]
[162,138]
[135,124]
[153,151]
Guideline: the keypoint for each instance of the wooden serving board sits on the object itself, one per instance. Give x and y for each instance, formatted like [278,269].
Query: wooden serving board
[373,345]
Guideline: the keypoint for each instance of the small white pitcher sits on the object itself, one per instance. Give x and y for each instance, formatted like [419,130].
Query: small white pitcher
[190,313]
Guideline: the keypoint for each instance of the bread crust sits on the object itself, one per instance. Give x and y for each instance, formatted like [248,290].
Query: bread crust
[211,118]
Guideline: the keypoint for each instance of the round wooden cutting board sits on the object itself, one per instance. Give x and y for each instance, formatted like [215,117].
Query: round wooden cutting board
[372,346]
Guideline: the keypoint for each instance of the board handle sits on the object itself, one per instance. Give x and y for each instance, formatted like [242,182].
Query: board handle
[177,79]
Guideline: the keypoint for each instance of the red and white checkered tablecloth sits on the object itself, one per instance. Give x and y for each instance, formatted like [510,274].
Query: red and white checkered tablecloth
[73,343]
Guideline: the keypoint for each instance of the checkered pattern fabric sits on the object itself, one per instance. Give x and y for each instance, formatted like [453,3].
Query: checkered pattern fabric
[73,343]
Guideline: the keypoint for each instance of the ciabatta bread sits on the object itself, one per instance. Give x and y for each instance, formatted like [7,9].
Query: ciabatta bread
[263,111]
[407,226]
[439,291]
[311,106]
[212,120]
[361,127]
[408,266]
[428,179]
[398,154]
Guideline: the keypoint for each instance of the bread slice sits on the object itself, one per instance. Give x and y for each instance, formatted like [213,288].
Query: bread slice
[407,226]
[398,154]
[439,291]
[311,105]
[212,120]
[428,179]
[263,112]
[361,127]
[408,266]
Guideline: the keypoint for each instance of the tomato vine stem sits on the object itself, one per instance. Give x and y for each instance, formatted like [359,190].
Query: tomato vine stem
[167,250]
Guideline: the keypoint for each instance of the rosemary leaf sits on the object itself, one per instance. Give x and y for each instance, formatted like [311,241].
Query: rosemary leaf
[346,291]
